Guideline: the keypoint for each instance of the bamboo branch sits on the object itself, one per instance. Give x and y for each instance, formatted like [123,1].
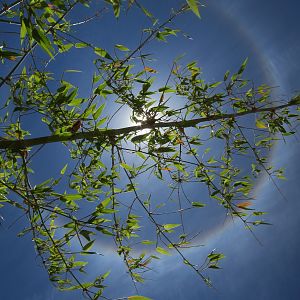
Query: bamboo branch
[107,132]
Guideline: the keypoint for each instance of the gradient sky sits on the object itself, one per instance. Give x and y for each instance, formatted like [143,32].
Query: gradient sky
[230,30]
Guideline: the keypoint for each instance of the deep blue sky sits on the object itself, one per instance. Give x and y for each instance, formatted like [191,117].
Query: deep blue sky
[268,33]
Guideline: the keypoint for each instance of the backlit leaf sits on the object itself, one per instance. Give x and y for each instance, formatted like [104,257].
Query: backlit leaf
[260,124]
[101,52]
[100,122]
[9,54]
[98,112]
[81,45]
[244,204]
[194,7]
[162,251]
[198,204]
[122,47]
[63,170]
[138,298]
[139,138]
[88,246]
[43,41]
[171,226]
[150,70]
[243,66]
[164,149]
[147,242]
[71,197]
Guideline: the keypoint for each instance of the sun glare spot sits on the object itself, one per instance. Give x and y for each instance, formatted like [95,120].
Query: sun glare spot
[143,131]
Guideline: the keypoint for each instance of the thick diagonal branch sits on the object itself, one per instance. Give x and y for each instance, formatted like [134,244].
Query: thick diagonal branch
[105,133]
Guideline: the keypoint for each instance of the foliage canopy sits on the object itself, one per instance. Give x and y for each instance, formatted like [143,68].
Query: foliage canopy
[99,191]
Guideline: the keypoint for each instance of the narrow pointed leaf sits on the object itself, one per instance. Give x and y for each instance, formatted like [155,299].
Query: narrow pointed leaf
[194,7]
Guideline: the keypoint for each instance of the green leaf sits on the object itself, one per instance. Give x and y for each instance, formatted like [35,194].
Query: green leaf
[194,7]
[43,41]
[127,167]
[98,112]
[226,75]
[211,161]
[214,267]
[135,297]
[105,231]
[96,78]
[89,111]
[162,251]
[148,14]
[70,225]
[243,66]
[116,7]
[76,102]
[198,204]
[256,223]
[86,234]
[71,197]
[23,31]
[215,256]
[258,213]
[65,47]
[80,263]
[147,242]
[105,275]
[121,47]
[88,246]
[101,52]
[106,201]
[63,170]
[140,154]
[166,89]
[164,149]
[260,124]
[295,100]
[9,54]
[171,226]
[100,88]
[81,45]
[160,36]
[214,85]
[72,71]
[100,122]
[139,138]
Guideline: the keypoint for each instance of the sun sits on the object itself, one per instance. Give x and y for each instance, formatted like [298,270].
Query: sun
[123,119]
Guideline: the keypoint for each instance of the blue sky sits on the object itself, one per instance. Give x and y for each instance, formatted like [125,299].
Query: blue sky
[230,30]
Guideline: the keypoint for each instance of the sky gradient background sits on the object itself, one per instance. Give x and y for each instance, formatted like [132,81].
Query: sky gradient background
[230,30]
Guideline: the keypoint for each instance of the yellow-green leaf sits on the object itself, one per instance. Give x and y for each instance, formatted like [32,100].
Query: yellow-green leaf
[162,251]
[98,112]
[88,246]
[148,69]
[171,226]
[198,204]
[40,37]
[147,242]
[23,31]
[260,124]
[101,52]
[76,102]
[63,170]
[194,7]
[136,297]
[81,45]
[71,197]
[127,167]
[100,122]
[122,47]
